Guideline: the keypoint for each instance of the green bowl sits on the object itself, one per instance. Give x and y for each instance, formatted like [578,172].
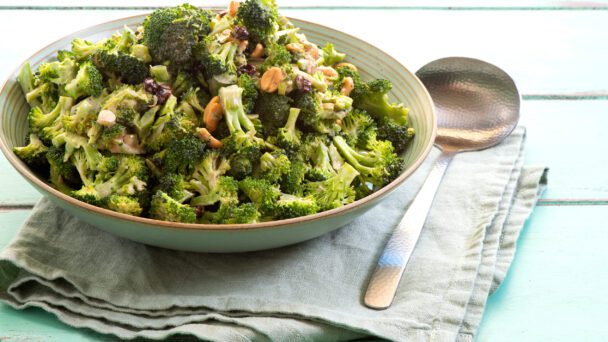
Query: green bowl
[229,237]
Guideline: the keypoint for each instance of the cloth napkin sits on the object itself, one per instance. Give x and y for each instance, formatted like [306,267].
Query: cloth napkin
[306,292]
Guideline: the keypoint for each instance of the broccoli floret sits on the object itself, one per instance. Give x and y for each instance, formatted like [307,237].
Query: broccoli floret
[111,136]
[205,179]
[34,153]
[165,208]
[398,135]
[58,72]
[183,82]
[288,137]
[321,163]
[236,214]
[376,165]
[83,116]
[274,166]
[129,179]
[62,174]
[313,117]
[262,193]
[81,49]
[174,185]
[358,128]
[273,110]
[373,98]
[26,78]
[217,58]
[180,155]
[250,92]
[126,68]
[291,182]
[335,191]
[260,17]
[38,120]
[88,82]
[171,33]
[124,204]
[277,55]
[43,95]
[167,127]
[329,55]
[141,52]
[289,206]
[230,211]
[242,145]
[160,73]
[144,122]
[193,104]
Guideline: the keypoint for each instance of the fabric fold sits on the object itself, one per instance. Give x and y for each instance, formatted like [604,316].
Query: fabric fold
[309,291]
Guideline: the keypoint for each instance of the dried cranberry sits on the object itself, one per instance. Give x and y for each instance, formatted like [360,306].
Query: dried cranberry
[303,84]
[150,85]
[163,93]
[248,69]
[240,33]
[200,210]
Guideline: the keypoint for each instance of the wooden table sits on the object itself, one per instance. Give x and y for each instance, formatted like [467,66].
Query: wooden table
[556,52]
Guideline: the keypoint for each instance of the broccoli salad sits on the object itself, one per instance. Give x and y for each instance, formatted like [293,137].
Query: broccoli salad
[204,117]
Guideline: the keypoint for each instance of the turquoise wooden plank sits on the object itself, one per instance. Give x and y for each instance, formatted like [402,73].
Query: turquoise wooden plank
[568,137]
[576,156]
[558,65]
[555,290]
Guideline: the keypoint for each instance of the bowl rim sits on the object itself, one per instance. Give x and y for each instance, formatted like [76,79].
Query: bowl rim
[285,223]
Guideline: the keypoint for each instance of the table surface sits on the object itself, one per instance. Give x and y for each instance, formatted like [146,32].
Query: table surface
[555,51]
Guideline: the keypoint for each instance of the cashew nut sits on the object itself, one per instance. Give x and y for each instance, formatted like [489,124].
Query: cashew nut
[106,118]
[213,114]
[271,79]
[346,65]
[233,7]
[347,86]
[258,51]
[205,136]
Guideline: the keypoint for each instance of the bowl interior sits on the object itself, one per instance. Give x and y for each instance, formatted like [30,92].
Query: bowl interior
[371,62]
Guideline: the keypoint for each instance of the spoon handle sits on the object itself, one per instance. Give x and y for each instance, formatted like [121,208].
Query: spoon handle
[385,279]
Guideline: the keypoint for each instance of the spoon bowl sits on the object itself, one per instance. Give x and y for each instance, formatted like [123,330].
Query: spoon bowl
[477,106]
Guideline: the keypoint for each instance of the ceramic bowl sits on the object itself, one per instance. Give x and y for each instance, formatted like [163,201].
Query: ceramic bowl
[231,237]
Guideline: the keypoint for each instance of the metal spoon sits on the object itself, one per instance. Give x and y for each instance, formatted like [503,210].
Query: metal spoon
[477,106]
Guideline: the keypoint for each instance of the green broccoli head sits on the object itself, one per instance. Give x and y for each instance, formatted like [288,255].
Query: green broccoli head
[180,155]
[274,166]
[34,153]
[277,55]
[335,191]
[250,92]
[216,58]
[358,128]
[205,181]
[260,17]
[373,98]
[38,120]
[314,117]
[164,207]
[58,72]
[289,206]
[88,82]
[292,182]
[174,185]
[329,55]
[378,165]
[126,68]
[399,135]
[171,33]
[289,137]
[124,204]
[273,110]
[262,193]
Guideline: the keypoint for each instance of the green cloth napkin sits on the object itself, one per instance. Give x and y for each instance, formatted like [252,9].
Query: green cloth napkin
[307,292]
